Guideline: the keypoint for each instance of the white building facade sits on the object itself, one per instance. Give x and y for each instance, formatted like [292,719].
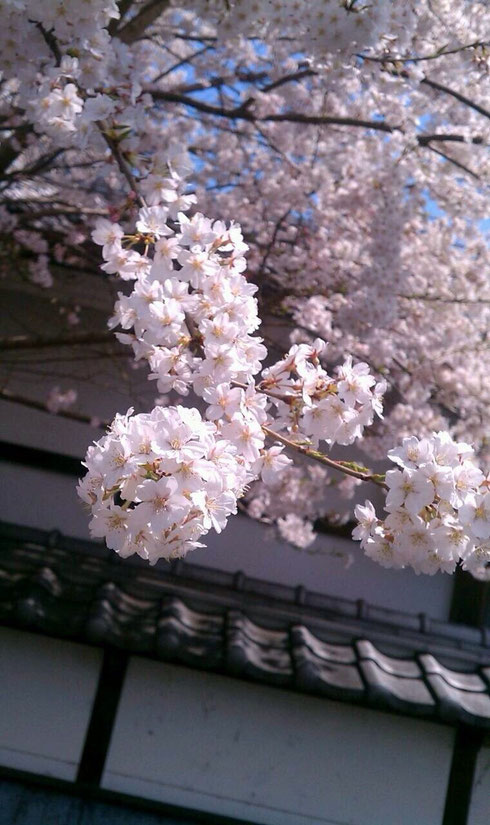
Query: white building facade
[250,683]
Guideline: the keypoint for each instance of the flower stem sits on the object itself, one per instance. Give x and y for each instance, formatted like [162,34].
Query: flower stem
[342,467]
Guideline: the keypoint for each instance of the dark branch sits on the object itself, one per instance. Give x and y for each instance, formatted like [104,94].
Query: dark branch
[135,28]
[425,140]
[320,120]
[393,59]
[50,41]
[457,95]
[6,395]
[123,6]
[122,163]
[455,162]
[73,339]
[244,112]
[289,78]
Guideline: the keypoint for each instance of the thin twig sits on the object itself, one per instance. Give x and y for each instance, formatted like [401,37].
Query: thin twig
[7,395]
[73,339]
[422,58]
[136,27]
[122,163]
[454,162]
[342,467]
[244,112]
[457,95]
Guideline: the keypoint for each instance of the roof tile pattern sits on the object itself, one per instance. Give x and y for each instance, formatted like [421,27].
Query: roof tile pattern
[234,625]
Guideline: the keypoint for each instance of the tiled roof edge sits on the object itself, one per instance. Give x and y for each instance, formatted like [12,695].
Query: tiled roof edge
[270,600]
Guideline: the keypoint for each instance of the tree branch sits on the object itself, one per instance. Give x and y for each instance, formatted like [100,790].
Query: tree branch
[50,41]
[457,95]
[340,466]
[455,162]
[123,6]
[73,339]
[424,140]
[435,56]
[243,112]
[37,166]
[288,78]
[40,405]
[123,165]
[185,61]
[135,28]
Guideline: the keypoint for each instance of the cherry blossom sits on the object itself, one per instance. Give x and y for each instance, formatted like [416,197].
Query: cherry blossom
[319,166]
[153,486]
[430,526]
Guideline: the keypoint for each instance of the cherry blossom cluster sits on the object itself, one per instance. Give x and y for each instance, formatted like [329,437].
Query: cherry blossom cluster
[60,399]
[32,28]
[310,402]
[191,315]
[438,504]
[191,309]
[317,25]
[347,144]
[157,482]
[292,499]
[65,100]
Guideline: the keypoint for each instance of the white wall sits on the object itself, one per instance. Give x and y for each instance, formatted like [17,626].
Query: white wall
[270,756]
[47,688]
[480,799]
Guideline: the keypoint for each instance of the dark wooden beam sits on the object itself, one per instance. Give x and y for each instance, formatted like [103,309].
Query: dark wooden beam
[99,732]
[467,743]
[470,602]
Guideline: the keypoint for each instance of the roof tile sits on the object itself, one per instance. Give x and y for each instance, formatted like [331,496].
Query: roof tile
[210,619]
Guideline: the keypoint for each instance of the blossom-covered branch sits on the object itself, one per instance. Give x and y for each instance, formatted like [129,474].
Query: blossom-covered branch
[360,234]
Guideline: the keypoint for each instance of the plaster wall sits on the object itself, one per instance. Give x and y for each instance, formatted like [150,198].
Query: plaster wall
[479,813]
[47,688]
[270,756]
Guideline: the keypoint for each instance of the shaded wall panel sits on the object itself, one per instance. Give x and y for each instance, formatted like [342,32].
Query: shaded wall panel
[270,756]
[47,689]
[480,798]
